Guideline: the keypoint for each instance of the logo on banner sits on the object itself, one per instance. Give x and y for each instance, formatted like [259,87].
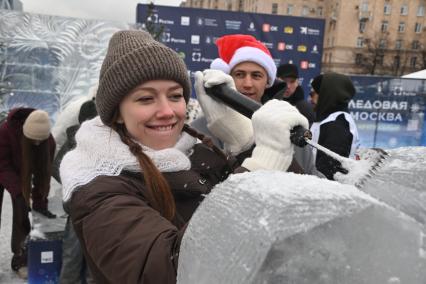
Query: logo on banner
[196,56]
[269,45]
[304,64]
[153,18]
[206,22]
[195,39]
[166,37]
[251,27]
[185,21]
[289,47]
[156,19]
[232,25]
[209,40]
[314,49]
[302,48]
[281,46]
[266,28]
[269,28]
[398,90]
[309,31]
[288,30]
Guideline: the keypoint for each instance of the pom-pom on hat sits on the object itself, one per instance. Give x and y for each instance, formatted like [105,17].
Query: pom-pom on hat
[37,125]
[238,48]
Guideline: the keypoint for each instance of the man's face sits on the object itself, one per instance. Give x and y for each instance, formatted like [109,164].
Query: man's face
[250,79]
[313,98]
[292,84]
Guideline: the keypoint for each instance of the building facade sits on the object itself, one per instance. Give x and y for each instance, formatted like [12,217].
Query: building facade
[382,37]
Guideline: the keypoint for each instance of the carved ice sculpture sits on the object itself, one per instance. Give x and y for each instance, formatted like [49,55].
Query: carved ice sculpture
[274,227]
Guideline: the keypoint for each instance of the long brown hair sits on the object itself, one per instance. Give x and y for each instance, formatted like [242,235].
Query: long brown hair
[36,167]
[159,192]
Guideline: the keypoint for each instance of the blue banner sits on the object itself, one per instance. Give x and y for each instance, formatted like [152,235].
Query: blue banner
[193,32]
[389,112]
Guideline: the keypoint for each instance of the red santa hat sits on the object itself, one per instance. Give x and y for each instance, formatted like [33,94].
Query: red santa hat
[237,48]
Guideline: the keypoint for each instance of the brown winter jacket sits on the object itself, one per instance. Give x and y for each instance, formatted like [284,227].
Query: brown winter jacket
[10,150]
[123,238]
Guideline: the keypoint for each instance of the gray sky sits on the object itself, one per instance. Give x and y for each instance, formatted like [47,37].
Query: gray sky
[113,10]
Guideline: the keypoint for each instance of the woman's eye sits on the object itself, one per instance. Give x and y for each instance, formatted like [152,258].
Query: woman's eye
[176,97]
[145,99]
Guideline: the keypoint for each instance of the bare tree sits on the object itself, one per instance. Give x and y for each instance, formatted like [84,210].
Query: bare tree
[380,56]
[372,55]
[401,61]
[423,57]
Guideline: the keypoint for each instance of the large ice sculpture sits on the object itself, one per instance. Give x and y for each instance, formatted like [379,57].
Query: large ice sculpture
[274,227]
[401,182]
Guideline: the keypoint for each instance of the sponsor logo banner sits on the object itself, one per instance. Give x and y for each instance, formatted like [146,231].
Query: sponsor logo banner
[193,32]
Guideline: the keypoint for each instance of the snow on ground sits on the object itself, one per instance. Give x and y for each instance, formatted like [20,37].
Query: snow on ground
[55,205]
[6,273]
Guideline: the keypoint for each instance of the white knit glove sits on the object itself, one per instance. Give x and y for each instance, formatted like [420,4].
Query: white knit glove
[272,124]
[229,126]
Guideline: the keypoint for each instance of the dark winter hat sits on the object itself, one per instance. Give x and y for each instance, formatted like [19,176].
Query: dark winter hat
[87,111]
[316,83]
[287,70]
[134,57]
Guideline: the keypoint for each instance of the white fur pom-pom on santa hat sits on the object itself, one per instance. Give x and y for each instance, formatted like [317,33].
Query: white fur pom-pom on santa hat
[237,48]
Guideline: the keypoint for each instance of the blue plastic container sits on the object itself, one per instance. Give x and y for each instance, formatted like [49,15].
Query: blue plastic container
[45,259]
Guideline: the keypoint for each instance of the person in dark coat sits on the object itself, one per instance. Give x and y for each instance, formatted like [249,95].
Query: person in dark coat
[294,94]
[26,154]
[138,172]
[335,129]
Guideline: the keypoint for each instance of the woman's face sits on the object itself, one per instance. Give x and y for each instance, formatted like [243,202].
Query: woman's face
[154,113]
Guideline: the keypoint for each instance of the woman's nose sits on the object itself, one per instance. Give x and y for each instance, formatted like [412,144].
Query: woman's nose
[165,109]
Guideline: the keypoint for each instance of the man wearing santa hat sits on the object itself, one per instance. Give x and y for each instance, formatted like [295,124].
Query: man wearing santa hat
[246,65]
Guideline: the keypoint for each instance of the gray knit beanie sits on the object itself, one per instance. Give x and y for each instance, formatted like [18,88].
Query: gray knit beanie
[134,57]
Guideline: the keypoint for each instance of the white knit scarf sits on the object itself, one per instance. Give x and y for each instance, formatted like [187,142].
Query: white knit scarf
[100,151]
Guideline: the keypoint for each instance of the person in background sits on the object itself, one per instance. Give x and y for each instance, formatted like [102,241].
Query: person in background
[26,155]
[74,268]
[252,70]
[334,128]
[294,94]
[251,66]
[138,172]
